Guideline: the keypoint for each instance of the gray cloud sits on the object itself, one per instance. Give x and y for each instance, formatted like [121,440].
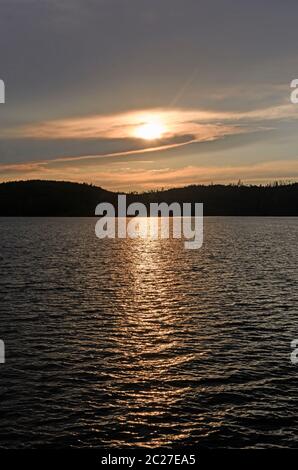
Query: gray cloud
[82,57]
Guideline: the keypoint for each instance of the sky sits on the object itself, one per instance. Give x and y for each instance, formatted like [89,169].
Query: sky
[135,95]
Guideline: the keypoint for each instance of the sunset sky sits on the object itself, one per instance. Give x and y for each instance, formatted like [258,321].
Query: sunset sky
[143,94]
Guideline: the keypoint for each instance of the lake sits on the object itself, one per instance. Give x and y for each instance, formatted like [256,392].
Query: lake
[128,343]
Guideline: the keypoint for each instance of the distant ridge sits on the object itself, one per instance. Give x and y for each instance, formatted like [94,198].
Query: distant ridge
[59,198]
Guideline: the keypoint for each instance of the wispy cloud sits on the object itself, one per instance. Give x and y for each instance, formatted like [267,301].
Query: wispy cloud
[181,127]
[124,178]
[200,124]
[169,177]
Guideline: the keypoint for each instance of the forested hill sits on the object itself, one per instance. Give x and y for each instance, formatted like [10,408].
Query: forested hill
[53,198]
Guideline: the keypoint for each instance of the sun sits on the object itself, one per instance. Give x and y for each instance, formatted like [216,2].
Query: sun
[151,130]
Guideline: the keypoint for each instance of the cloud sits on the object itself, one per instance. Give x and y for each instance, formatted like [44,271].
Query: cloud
[201,124]
[169,177]
[181,127]
[118,131]
[124,178]
[36,165]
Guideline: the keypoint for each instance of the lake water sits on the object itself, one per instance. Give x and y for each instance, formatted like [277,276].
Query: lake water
[143,343]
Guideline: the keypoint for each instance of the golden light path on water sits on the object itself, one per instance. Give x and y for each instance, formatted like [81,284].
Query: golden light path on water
[152,336]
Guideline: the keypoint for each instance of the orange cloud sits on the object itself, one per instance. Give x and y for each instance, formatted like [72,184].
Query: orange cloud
[182,127]
[125,178]
[203,125]
[199,123]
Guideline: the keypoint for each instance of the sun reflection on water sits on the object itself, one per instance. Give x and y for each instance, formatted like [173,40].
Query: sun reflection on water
[151,338]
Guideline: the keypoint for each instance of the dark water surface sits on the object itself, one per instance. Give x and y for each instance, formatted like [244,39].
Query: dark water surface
[141,342]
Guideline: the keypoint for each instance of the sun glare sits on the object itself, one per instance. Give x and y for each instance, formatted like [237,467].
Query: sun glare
[150,130]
